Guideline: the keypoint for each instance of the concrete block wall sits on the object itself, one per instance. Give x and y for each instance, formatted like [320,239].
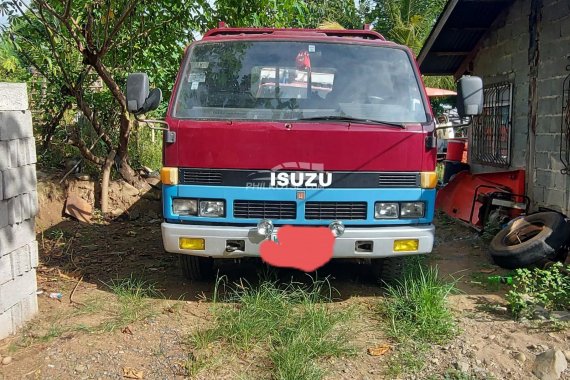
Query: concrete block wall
[504,56]
[18,208]
[551,188]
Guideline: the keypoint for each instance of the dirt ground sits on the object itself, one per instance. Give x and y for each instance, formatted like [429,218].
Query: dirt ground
[80,337]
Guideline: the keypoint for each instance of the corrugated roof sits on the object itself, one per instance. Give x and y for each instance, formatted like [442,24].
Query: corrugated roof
[457,32]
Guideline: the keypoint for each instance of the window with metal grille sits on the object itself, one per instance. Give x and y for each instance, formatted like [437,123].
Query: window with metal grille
[491,131]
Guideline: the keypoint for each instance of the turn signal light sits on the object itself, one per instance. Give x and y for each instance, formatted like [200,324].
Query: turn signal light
[408,245]
[194,244]
[428,180]
[169,176]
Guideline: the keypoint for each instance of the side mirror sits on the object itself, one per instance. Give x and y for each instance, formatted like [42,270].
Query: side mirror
[139,98]
[469,96]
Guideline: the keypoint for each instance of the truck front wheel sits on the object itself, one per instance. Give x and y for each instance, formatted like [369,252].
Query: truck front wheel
[388,271]
[196,268]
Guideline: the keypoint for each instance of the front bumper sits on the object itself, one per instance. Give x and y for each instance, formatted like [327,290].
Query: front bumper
[216,238]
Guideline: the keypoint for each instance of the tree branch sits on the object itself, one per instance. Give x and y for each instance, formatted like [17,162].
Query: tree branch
[108,43]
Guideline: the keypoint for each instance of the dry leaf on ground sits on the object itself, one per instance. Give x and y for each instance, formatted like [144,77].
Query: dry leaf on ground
[131,373]
[378,351]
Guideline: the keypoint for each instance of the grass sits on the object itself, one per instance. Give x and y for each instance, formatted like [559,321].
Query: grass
[132,296]
[417,316]
[290,324]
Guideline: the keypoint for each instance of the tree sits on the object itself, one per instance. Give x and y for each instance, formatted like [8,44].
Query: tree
[11,68]
[409,22]
[85,49]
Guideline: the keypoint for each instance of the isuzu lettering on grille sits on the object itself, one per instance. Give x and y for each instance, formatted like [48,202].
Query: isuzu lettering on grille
[300,179]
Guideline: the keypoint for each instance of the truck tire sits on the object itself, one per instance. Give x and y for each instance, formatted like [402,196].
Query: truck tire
[388,271]
[531,240]
[197,268]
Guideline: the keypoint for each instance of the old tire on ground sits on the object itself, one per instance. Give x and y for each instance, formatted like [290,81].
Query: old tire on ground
[531,240]
[389,271]
[196,268]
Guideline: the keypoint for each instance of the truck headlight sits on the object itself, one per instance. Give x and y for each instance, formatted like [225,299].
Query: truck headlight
[412,209]
[212,209]
[386,210]
[183,206]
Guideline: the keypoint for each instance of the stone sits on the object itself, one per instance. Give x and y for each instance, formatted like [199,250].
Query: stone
[78,208]
[7,360]
[80,368]
[491,337]
[567,355]
[549,365]
[461,366]
[520,357]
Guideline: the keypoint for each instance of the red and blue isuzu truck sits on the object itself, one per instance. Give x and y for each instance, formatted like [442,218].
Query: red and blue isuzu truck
[275,127]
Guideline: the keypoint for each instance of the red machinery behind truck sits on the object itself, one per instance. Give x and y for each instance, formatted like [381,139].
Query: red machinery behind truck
[275,127]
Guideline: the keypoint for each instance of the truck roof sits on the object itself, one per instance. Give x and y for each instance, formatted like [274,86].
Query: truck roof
[224,32]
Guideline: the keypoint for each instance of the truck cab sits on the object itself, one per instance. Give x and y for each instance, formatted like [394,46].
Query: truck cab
[293,127]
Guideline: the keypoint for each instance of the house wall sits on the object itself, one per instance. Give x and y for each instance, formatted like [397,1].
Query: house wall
[18,207]
[504,55]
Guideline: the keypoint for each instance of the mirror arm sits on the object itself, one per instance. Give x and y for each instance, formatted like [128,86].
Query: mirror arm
[458,126]
[148,122]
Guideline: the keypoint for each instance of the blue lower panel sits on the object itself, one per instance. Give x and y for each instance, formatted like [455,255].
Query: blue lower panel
[230,194]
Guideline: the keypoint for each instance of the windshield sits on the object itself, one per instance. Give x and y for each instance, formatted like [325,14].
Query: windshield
[285,80]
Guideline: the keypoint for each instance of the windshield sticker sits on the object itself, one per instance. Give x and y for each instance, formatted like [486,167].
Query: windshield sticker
[194,85]
[311,48]
[197,77]
[200,65]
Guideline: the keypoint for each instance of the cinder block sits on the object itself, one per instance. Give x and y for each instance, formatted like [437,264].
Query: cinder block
[33,158]
[29,306]
[15,210]
[5,270]
[13,146]
[4,155]
[6,328]
[15,125]
[33,203]
[12,292]
[3,213]
[34,254]
[19,180]
[554,198]
[21,262]
[15,236]
[17,320]
[13,97]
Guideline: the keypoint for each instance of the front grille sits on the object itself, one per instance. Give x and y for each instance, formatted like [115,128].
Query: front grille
[265,210]
[399,180]
[200,177]
[335,210]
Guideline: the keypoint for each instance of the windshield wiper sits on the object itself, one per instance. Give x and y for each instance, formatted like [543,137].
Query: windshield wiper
[352,119]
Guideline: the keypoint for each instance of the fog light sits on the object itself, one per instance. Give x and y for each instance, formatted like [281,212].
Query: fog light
[194,244]
[265,227]
[337,228]
[408,245]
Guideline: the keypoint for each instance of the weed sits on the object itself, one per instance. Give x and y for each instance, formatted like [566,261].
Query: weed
[417,308]
[548,288]
[418,316]
[290,322]
[132,294]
